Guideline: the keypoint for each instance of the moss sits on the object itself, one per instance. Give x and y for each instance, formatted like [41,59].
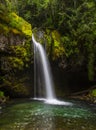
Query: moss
[19,50]
[56,38]
[16,62]
[17,33]
[54,43]
[22,56]
[16,24]
[4,29]
[93,92]
[20,89]
[16,88]
[1,94]
[90,4]
[20,24]
[2,97]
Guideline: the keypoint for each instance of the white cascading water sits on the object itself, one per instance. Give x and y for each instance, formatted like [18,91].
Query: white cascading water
[46,70]
[40,54]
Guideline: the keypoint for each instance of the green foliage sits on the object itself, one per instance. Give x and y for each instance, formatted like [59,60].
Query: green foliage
[19,88]
[8,6]
[91,59]
[54,46]
[57,48]
[16,22]
[15,34]
[16,86]
[37,12]
[22,56]
[16,62]
[1,94]
[4,29]
[76,22]
[93,93]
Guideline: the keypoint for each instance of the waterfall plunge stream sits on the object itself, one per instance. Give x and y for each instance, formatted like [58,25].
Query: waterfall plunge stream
[42,68]
[39,54]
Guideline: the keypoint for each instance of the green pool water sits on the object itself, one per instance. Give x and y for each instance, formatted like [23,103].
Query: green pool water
[36,115]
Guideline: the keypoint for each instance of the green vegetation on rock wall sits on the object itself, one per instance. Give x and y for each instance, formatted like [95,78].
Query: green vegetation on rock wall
[15,53]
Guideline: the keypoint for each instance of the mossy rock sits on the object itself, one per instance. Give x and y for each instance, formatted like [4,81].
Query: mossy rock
[4,28]
[20,90]
[20,24]
[16,24]
[54,42]
[15,36]
[17,86]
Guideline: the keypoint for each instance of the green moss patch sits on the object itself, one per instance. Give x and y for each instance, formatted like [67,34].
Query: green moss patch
[1,94]
[20,24]
[93,92]
[16,24]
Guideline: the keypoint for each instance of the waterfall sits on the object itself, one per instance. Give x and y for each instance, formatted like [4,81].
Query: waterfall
[40,54]
[43,76]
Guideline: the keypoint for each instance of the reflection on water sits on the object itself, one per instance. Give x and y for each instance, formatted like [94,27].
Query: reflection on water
[35,115]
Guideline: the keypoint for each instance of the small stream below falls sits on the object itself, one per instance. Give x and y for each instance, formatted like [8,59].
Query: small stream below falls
[37,115]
